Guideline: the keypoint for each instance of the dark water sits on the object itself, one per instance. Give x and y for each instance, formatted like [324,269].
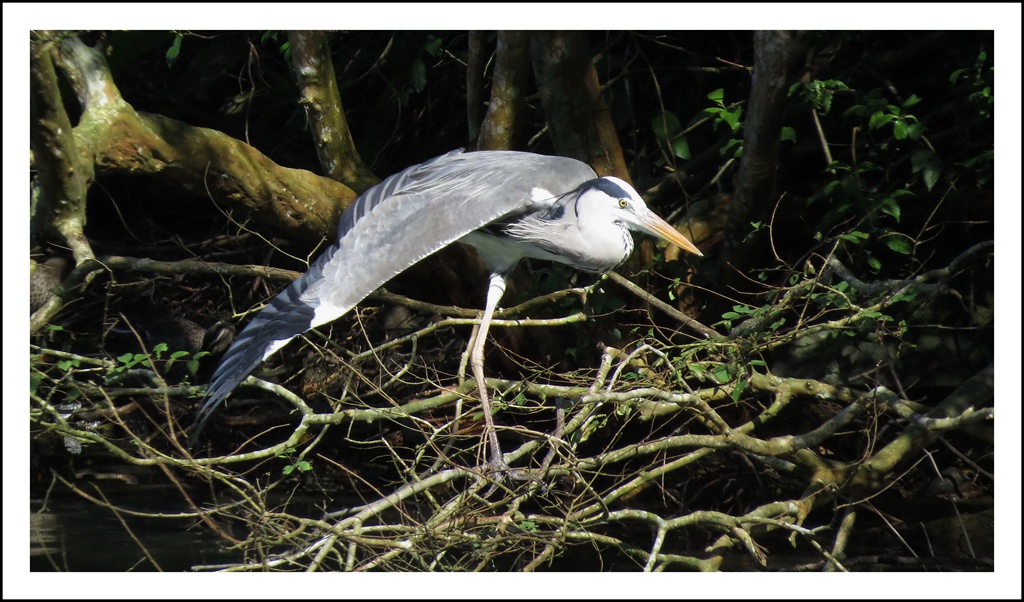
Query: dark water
[72,534]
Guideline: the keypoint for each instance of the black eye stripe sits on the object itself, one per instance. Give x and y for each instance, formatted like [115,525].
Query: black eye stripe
[606,186]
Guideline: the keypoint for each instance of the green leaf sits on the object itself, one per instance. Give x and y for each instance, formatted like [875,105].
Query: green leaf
[891,207]
[681,148]
[913,100]
[418,76]
[931,174]
[900,130]
[433,46]
[920,158]
[717,95]
[666,126]
[732,117]
[171,56]
[879,119]
[731,143]
[788,134]
[528,525]
[874,263]
[826,103]
[899,244]
[737,391]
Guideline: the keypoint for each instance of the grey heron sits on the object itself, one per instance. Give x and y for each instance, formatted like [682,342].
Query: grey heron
[506,204]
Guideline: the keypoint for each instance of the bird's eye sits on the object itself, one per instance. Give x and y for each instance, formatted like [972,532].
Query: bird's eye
[623,203]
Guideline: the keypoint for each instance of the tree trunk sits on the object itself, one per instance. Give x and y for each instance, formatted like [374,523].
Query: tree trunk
[475,65]
[577,116]
[508,92]
[63,178]
[775,57]
[318,88]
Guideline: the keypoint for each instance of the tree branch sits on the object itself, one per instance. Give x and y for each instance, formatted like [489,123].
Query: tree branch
[117,139]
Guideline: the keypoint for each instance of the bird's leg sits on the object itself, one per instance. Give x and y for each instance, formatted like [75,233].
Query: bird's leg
[476,359]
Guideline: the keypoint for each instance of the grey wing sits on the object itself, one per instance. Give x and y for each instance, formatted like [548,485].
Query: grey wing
[390,227]
[430,206]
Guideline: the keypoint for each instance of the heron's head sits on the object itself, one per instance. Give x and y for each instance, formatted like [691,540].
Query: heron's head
[618,200]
